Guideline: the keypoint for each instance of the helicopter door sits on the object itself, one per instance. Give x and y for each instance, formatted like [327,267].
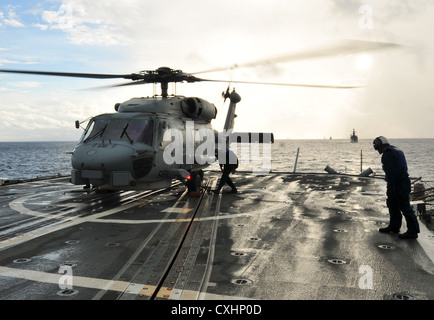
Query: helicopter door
[162,127]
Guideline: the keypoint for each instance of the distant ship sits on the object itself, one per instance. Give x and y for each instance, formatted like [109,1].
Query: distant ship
[353,137]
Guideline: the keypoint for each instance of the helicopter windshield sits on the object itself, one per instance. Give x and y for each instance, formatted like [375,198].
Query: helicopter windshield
[130,130]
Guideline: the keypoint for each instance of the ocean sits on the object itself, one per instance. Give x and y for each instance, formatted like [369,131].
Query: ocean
[346,157]
[30,160]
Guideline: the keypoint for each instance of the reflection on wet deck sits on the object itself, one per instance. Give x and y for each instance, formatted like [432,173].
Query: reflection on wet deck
[283,236]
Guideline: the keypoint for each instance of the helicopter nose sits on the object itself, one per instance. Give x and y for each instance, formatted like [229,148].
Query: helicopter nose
[116,165]
[102,157]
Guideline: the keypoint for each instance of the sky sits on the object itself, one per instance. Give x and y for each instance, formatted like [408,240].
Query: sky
[395,98]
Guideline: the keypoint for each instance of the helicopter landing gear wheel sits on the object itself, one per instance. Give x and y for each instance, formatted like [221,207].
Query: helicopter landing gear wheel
[195,182]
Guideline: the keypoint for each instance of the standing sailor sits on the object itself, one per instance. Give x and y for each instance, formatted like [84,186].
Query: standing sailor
[228,162]
[398,189]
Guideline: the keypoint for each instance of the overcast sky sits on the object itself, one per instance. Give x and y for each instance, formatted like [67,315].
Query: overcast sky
[127,36]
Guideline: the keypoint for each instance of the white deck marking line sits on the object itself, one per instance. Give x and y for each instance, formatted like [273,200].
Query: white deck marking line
[18,205]
[78,281]
[68,223]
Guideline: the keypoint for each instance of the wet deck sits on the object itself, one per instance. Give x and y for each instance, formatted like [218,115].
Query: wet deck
[283,236]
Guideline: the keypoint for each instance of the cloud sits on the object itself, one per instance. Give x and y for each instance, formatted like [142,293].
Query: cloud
[6,61]
[42,27]
[157,23]
[86,23]
[24,84]
[195,35]
[10,19]
[29,113]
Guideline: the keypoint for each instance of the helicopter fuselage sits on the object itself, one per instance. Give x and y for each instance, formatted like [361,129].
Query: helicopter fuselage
[128,149]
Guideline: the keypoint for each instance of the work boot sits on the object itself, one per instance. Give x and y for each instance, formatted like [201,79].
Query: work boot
[388,229]
[407,235]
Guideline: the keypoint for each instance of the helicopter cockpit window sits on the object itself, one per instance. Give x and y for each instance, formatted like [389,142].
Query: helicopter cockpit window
[115,129]
[136,130]
[140,131]
[95,130]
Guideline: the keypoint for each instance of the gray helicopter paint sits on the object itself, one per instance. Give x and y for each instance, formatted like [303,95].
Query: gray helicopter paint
[112,163]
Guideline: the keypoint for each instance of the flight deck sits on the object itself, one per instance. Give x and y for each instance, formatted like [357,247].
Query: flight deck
[283,236]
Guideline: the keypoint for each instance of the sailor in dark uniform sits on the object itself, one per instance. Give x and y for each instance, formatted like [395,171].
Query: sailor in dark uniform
[398,189]
[228,162]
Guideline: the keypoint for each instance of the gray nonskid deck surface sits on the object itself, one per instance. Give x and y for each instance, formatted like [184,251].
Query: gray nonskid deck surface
[282,236]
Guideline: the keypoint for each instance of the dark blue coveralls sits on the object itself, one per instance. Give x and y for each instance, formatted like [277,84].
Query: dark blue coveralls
[398,190]
[228,162]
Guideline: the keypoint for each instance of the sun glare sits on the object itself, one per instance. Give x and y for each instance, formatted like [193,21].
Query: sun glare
[364,62]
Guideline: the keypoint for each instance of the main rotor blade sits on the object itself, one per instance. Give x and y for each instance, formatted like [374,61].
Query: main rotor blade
[289,84]
[118,85]
[71,74]
[343,47]
[246,82]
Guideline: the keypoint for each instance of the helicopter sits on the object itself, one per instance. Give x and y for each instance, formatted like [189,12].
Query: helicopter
[150,141]
[131,148]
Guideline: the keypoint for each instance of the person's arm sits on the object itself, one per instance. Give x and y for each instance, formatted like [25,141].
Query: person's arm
[391,166]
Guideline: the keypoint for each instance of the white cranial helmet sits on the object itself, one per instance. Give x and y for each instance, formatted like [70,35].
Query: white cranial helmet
[380,141]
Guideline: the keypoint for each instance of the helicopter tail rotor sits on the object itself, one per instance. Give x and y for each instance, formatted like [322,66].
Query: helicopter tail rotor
[226,94]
